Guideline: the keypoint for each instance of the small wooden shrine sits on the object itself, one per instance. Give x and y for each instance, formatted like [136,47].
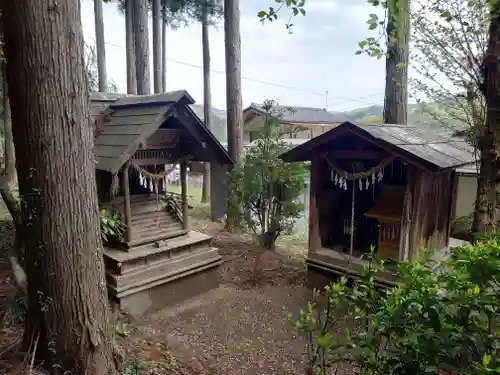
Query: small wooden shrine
[140,140]
[387,186]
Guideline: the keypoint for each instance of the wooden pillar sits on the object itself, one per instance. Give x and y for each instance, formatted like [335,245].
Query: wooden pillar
[314,234]
[184,194]
[126,201]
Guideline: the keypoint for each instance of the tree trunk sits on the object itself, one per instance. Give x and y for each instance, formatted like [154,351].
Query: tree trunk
[164,52]
[53,135]
[141,39]
[396,65]
[157,43]
[233,79]
[487,207]
[234,106]
[8,175]
[207,102]
[130,48]
[100,46]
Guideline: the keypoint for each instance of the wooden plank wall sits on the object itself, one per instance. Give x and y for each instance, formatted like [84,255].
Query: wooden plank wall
[315,180]
[430,196]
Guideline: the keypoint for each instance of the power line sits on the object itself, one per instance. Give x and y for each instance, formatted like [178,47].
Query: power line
[256,80]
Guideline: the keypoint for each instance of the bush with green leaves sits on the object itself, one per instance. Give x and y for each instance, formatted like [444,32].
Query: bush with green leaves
[112,226]
[431,322]
[266,190]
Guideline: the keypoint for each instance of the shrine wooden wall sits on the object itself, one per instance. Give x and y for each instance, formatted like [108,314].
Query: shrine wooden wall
[428,209]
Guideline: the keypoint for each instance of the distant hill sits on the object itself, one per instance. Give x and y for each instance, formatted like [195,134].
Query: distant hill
[218,121]
[366,115]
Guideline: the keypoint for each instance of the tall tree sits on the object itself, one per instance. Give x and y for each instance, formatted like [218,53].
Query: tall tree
[233,79]
[53,136]
[396,63]
[234,105]
[164,47]
[130,47]
[141,39]
[207,99]
[100,45]
[487,209]
[157,47]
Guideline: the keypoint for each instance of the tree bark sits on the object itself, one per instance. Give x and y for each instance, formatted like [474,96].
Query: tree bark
[141,39]
[207,102]
[100,46]
[234,106]
[8,175]
[157,44]
[396,65]
[130,48]
[487,206]
[233,79]
[53,136]
[164,52]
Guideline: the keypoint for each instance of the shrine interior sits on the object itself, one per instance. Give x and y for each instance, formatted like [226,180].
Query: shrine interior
[372,192]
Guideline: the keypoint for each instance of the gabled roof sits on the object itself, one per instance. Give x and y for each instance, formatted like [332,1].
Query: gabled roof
[301,115]
[425,149]
[134,118]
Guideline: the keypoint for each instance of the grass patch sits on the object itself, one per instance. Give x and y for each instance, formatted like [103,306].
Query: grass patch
[194,194]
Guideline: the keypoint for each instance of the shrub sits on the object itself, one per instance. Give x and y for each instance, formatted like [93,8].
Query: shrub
[430,323]
[112,226]
[266,191]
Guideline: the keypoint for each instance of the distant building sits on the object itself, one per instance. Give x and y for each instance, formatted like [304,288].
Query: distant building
[311,121]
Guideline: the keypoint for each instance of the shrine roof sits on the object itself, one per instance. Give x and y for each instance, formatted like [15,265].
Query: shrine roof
[132,119]
[429,149]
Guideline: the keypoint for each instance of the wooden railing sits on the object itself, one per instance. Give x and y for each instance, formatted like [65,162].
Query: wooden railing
[174,205]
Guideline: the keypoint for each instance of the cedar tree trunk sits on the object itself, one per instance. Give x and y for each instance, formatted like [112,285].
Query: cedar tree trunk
[207,102]
[233,79]
[157,50]
[164,51]
[53,136]
[141,39]
[234,106]
[130,48]
[396,65]
[487,207]
[100,46]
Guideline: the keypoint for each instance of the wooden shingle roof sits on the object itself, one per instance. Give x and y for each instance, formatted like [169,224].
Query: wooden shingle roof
[428,149]
[135,118]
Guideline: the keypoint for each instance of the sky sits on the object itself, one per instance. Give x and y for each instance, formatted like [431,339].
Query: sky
[295,69]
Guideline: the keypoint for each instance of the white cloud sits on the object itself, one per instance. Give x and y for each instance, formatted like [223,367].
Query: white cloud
[317,57]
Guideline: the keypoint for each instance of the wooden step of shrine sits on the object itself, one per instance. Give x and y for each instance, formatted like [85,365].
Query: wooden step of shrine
[151,276]
[121,262]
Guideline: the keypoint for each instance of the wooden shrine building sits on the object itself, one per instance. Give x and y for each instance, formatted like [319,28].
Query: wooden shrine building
[390,186]
[139,140]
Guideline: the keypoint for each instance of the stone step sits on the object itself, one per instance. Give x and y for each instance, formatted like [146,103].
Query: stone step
[148,275]
[122,261]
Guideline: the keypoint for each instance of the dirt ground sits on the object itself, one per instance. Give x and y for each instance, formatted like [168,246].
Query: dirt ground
[239,328]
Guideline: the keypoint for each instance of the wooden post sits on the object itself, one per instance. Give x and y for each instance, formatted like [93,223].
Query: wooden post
[314,234]
[126,201]
[184,194]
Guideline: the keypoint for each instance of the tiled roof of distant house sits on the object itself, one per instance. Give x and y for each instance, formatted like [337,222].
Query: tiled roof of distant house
[301,115]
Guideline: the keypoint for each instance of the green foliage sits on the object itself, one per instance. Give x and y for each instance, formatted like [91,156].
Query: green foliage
[267,190]
[296,7]
[182,12]
[433,321]
[449,42]
[112,226]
